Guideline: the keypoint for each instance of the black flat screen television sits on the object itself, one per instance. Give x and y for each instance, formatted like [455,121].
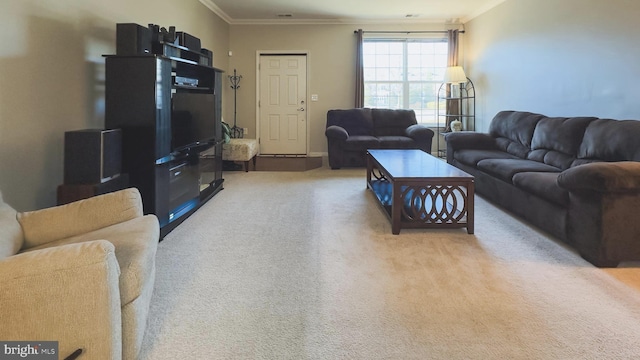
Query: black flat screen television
[192,120]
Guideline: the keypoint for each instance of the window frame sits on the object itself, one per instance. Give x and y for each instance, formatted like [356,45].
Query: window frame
[424,115]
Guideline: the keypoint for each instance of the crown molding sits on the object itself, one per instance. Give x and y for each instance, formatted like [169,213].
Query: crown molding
[343,21]
[482,10]
[216,10]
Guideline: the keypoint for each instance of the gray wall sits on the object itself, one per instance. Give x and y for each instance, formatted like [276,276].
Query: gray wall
[558,58]
[52,78]
[331,68]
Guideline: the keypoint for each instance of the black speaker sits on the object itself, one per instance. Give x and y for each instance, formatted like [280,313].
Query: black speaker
[92,156]
[132,39]
[206,57]
[189,41]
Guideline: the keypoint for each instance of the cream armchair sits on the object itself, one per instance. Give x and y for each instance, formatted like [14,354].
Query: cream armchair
[81,274]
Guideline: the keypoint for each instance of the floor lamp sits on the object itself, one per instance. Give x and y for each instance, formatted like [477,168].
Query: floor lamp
[454,75]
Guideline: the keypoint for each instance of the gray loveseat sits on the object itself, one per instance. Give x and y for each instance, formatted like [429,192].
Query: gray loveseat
[577,178]
[351,132]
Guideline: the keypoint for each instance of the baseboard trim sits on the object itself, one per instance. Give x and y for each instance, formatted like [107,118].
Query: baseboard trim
[319,154]
[282,163]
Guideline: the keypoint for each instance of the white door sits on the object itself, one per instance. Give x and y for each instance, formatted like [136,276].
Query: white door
[283,104]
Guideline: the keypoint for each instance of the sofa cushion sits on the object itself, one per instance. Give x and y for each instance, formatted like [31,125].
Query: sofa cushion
[577,162]
[472,157]
[504,169]
[512,147]
[11,237]
[542,184]
[396,142]
[360,142]
[513,131]
[135,244]
[611,140]
[556,140]
[392,122]
[560,134]
[355,121]
[459,140]
[551,157]
[79,217]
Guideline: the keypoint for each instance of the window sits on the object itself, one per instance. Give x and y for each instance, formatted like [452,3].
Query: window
[404,74]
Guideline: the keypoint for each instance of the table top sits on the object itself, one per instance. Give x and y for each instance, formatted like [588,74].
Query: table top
[415,164]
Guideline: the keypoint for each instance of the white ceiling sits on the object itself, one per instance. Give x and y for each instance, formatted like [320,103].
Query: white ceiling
[348,11]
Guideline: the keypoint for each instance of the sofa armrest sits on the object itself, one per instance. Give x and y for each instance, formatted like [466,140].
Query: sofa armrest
[602,177]
[68,294]
[59,222]
[419,132]
[336,132]
[470,140]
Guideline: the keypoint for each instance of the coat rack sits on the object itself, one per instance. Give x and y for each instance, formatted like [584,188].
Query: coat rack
[236,132]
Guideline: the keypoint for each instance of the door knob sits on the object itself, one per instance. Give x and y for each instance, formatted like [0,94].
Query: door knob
[301,109]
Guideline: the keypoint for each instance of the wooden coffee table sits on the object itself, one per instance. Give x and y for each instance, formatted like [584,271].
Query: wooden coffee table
[418,190]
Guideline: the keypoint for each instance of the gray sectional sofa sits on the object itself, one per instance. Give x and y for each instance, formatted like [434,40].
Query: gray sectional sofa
[351,132]
[577,178]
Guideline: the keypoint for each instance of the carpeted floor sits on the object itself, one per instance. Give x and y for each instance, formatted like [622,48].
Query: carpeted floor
[303,265]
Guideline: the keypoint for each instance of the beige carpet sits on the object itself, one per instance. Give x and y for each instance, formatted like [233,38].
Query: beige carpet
[303,265]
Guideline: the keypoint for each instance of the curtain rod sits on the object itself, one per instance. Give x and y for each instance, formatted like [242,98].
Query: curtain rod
[408,32]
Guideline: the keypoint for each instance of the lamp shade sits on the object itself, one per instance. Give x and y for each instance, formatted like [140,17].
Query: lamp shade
[454,75]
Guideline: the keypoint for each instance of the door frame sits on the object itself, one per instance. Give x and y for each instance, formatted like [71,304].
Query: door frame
[305,53]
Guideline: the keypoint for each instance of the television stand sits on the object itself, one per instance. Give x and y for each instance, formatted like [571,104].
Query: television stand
[140,94]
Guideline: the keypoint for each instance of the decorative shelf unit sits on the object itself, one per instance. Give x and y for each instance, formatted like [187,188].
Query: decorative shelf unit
[455,102]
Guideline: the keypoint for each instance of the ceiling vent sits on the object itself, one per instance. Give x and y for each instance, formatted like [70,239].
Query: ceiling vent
[284,15]
[412,15]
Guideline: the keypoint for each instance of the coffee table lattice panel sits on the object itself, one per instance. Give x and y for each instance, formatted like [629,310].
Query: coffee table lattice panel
[435,204]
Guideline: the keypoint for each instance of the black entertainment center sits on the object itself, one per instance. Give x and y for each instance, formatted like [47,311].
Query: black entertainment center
[165,96]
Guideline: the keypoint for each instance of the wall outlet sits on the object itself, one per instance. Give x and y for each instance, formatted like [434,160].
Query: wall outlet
[245,131]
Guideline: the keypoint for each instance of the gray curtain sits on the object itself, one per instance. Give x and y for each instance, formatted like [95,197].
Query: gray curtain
[359,71]
[453,105]
[452,38]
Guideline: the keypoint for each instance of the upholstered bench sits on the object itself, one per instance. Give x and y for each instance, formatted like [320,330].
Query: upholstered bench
[241,150]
